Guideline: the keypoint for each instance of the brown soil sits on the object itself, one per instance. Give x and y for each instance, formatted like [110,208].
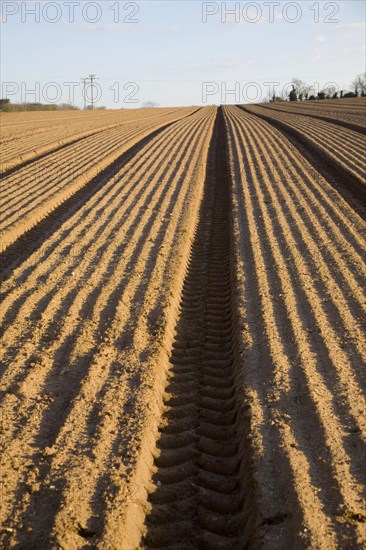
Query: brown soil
[183,335]
[299,247]
[348,113]
[38,187]
[26,136]
[341,146]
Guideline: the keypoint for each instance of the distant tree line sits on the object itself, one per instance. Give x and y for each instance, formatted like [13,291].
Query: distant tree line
[149,105]
[8,107]
[301,91]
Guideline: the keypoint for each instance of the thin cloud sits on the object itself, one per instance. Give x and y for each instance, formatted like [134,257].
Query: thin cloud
[348,30]
[318,54]
[353,50]
[321,39]
[221,65]
[123,27]
[102,28]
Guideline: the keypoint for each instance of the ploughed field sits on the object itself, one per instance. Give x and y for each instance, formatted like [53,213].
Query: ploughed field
[183,328]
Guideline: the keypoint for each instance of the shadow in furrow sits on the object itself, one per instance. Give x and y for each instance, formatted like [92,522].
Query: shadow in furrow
[51,151]
[204,491]
[325,118]
[32,239]
[344,182]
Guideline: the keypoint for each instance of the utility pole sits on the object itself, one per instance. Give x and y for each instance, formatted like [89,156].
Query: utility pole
[92,77]
[84,80]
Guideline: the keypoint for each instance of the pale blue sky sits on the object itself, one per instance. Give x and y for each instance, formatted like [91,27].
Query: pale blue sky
[169,53]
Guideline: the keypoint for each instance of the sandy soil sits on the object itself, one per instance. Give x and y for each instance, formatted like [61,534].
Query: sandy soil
[86,319]
[343,146]
[300,273]
[24,136]
[183,351]
[349,113]
[38,187]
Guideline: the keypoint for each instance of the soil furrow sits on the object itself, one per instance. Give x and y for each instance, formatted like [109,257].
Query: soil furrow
[80,233]
[19,165]
[324,202]
[281,165]
[23,152]
[308,113]
[59,168]
[29,241]
[72,175]
[346,183]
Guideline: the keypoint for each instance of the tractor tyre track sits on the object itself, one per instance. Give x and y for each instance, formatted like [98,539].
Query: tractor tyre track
[204,491]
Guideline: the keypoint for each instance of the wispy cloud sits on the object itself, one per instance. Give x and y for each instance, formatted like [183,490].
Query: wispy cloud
[236,64]
[123,27]
[348,30]
[361,48]
[321,39]
[318,54]
[88,28]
